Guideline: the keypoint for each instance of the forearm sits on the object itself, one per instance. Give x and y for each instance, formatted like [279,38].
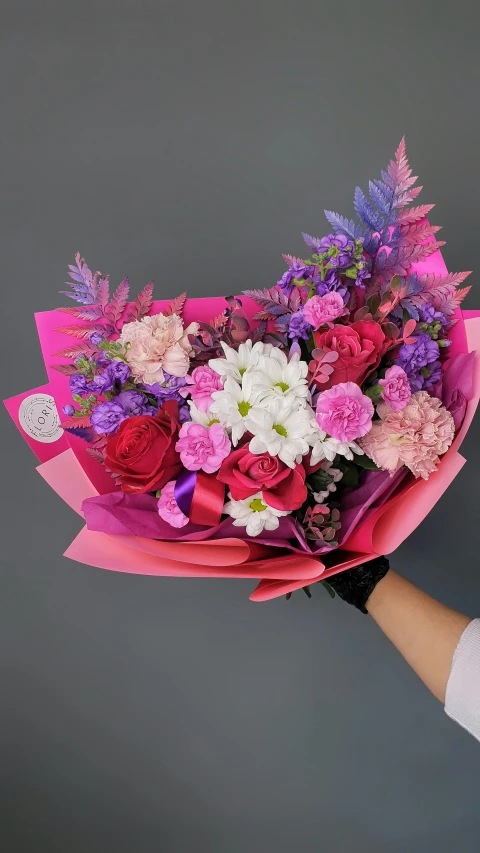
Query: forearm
[424,631]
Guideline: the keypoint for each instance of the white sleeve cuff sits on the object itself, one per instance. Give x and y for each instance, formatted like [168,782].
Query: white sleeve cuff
[462,700]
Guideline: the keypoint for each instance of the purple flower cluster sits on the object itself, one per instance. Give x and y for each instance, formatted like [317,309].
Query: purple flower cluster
[428,314]
[115,372]
[299,270]
[330,282]
[344,250]
[298,326]
[420,361]
[169,389]
[107,417]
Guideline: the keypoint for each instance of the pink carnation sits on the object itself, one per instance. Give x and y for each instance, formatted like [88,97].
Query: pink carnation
[168,509]
[396,389]
[416,436]
[202,447]
[201,385]
[343,412]
[321,310]
[156,344]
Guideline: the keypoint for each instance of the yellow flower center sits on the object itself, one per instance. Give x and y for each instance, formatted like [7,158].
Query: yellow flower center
[257,505]
[280,429]
[244,408]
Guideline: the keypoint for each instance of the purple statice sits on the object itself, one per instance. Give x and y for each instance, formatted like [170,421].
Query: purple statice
[169,389]
[68,410]
[298,326]
[419,361]
[79,385]
[135,403]
[107,417]
[299,270]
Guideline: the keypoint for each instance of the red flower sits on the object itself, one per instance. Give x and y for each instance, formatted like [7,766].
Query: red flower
[142,451]
[359,346]
[247,473]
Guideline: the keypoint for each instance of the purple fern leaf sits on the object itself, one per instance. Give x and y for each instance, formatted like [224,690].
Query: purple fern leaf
[87,433]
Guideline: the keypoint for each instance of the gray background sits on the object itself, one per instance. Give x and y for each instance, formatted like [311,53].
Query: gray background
[192,142]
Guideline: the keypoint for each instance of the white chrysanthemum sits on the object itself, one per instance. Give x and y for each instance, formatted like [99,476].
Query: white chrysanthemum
[254,514]
[206,419]
[233,405]
[275,376]
[237,362]
[280,430]
[325,447]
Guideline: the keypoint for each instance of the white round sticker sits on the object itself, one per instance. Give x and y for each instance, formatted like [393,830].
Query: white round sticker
[38,417]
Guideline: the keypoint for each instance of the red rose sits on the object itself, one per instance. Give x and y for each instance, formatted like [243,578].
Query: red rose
[359,346]
[142,451]
[247,473]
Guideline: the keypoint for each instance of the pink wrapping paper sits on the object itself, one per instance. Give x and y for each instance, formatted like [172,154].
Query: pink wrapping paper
[75,476]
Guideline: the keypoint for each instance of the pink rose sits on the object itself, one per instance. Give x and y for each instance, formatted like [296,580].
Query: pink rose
[359,347]
[156,344]
[416,436]
[201,385]
[396,388]
[320,310]
[202,448]
[343,412]
[168,509]
[246,474]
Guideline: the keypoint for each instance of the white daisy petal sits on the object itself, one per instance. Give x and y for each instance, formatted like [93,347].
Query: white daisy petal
[254,514]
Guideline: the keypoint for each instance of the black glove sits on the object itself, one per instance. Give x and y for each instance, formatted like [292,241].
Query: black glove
[356,585]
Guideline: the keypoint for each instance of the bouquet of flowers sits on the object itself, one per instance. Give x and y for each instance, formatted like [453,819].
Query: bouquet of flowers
[284,435]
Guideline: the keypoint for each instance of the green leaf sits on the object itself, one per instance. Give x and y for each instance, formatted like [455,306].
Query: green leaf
[365,462]
[328,588]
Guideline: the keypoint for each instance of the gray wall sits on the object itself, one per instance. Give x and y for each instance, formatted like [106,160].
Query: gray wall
[192,142]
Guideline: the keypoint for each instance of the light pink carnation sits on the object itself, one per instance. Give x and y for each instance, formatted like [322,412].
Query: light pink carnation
[168,509]
[396,389]
[343,412]
[202,447]
[320,310]
[416,436]
[201,385]
[158,343]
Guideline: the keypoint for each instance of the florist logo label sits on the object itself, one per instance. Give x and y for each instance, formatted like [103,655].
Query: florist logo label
[38,417]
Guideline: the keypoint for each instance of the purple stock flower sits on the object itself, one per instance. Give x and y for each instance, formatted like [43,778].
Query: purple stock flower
[329,283]
[420,361]
[184,413]
[428,314]
[298,270]
[413,357]
[107,417]
[68,410]
[362,274]
[298,326]
[120,371]
[102,382]
[78,384]
[168,389]
[96,339]
[135,403]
